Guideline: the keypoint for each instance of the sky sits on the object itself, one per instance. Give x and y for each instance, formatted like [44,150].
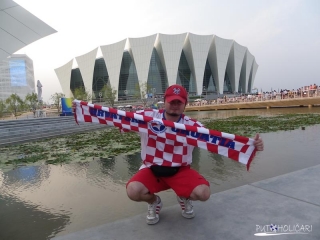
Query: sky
[283,35]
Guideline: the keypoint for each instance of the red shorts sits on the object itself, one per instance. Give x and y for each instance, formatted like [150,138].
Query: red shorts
[183,182]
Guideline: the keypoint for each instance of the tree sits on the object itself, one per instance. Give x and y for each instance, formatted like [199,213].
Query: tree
[81,94]
[56,99]
[31,100]
[141,93]
[109,94]
[2,107]
[14,103]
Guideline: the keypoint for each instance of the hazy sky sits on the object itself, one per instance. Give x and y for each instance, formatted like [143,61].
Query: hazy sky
[283,35]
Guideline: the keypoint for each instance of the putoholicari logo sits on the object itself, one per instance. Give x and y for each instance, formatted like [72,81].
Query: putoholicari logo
[272,229]
[157,127]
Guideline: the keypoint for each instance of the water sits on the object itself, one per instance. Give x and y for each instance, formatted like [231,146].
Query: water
[39,202]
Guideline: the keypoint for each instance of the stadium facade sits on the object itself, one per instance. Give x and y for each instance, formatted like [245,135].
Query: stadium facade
[16,76]
[203,64]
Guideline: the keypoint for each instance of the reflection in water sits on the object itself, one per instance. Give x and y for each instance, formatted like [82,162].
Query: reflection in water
[27,177]
[218,165]
[48,200]
[196,159]
[107,164]
[1,178]
[134,163]
[21,220]
[223,167]
[17,210]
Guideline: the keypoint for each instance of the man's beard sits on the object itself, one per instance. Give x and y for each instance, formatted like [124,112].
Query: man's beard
[173,114]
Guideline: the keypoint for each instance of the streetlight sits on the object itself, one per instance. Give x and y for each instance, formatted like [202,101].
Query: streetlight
[153,93]
[206,90]
[15,108]
[125,93]
[100,95]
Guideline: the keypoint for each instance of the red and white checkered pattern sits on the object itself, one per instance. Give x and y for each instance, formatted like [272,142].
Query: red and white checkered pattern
[168,143]
[156,149]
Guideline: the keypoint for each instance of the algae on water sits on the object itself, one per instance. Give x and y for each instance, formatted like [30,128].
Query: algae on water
[110,142]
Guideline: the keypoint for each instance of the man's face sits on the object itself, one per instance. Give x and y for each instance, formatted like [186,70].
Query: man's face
[174,108]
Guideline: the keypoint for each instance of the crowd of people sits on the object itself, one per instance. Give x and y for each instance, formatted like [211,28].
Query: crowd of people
[311,90]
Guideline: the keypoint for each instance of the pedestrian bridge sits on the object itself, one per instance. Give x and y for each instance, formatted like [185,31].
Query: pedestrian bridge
[291,102]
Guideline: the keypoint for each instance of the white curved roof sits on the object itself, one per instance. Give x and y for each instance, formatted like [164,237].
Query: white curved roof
[112,55]
[225,56]
[169,48]
[196,50]
[246,70]
[18,28]
[64,75]
[235,61]
[218,59]
[86,65]
[253,74]
[140,50]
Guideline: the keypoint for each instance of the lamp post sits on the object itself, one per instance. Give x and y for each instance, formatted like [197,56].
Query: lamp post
[100,95]
[125,93]
[206,93]
[204,89]
[153,93]
[15,108]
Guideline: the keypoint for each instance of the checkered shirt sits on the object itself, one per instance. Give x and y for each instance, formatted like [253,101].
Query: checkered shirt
[162,151]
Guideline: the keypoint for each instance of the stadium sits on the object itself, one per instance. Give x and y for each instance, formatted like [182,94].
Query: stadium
[203,64]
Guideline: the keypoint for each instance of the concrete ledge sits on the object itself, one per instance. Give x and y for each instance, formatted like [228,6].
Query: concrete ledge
[23,138]
[232,214]
[20,131]
[294,102]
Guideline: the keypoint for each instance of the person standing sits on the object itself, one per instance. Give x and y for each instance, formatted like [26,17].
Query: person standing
[166,163]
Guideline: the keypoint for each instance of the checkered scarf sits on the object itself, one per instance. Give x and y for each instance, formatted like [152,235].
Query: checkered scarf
[235,147]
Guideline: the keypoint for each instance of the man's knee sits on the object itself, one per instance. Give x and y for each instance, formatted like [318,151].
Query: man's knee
[201,192]
[135,190]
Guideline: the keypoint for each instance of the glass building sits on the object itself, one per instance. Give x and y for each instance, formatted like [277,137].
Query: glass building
[16,76]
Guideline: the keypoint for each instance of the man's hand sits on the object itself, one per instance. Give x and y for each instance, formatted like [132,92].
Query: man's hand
[258,143]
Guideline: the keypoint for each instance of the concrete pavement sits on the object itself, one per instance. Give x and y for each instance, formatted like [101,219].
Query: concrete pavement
[290,201]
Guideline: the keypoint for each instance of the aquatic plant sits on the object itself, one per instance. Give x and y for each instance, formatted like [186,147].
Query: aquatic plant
[110,142]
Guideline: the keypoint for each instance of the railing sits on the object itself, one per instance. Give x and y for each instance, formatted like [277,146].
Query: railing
[259,98]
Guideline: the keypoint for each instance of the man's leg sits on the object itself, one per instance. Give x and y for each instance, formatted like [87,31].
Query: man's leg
[138,192]
[189,185]
[201,193]
[141,187]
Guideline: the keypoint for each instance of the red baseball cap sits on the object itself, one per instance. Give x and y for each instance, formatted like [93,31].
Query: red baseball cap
[176,92]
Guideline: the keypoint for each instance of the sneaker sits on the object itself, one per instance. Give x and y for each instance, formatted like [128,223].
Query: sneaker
[153,211]
[186,206]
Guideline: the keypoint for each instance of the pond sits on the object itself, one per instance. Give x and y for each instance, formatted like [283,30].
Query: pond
[43,201]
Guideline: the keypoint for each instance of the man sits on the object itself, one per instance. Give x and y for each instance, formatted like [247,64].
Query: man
[166,163]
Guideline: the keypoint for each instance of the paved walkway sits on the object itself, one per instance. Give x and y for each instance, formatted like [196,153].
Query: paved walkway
[291,201]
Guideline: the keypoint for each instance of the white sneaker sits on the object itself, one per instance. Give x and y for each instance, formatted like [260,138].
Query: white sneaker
[186,206]
[153,211]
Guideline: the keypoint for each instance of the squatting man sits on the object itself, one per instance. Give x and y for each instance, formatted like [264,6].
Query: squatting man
[166,163]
